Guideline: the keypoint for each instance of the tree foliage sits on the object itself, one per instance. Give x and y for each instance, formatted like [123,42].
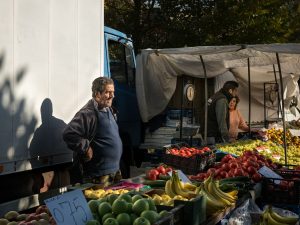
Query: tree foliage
[178,23]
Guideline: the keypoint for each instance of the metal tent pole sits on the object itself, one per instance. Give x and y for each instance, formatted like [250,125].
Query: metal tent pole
[265,110]
[282,107]
[276,81]
[249,95]
[181,109]
[206,98]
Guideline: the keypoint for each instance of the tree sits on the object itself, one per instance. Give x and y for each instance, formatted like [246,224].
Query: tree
[178,23]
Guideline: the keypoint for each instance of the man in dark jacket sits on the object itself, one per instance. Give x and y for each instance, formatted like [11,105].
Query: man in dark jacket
[218,114]
[94,136]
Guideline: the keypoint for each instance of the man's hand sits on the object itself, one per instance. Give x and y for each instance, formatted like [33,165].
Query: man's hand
[88,154]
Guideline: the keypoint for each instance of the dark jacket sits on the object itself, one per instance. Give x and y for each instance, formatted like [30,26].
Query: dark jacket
[78,136]
[218,117]
[81,130]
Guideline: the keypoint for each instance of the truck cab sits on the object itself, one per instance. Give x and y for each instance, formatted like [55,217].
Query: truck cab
[119,64]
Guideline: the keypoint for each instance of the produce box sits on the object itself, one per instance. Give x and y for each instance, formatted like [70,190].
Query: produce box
[283,191]
[176,217]
[195,141]
[192,213]
[194,210]
[290,172]
[292,208]
[189,165]
[220,154]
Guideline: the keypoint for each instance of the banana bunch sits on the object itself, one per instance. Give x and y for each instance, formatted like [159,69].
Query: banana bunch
[216,199]
[101,193]
[175,187]
[166,199]
[270,217]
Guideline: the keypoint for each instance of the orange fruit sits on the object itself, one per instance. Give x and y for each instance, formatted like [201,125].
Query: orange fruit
[150,215]
[136,197]
[119,206]
[93,205]
[111,198]
[164,213]
[107,215]
[110,221]
[139,206]
[104,208]
[141,221]
[92,222]
[126,197]
[133,217]
[151,204]
[124,219]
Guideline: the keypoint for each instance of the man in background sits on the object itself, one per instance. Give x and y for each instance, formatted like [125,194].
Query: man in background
[218,113]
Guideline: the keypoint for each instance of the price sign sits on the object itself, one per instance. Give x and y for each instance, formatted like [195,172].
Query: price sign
[268,173]
[182,176]
[295,132]
[69,208]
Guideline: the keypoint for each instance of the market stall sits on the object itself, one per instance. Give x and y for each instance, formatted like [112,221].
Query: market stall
[203,186]
[253,66]
[195,184]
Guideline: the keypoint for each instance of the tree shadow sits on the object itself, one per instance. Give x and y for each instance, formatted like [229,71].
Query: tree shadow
[17,127]
[15,132]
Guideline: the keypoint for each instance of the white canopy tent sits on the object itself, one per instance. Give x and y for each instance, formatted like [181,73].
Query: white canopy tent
[252,66]
[158,69]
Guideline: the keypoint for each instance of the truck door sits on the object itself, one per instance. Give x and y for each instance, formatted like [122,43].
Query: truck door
[121,68]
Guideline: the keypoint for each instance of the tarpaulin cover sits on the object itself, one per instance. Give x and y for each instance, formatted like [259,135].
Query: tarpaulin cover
[158,69]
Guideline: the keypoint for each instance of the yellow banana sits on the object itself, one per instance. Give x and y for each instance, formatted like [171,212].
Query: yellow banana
[210,186]
[218,195]
[223,194]
[233,193]
[272,221]
[190,186]
[169,202]
[263,218]
[212,205]
[157,199]
[197,190]
[206,182]
[169,188]
[212,198]
[283,219]
[178,189]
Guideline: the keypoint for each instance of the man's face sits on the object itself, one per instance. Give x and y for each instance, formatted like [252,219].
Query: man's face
[233,92]
[105,98]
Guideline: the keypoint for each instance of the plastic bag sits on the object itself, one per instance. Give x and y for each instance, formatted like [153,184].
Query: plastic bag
[244,215]
[282,212]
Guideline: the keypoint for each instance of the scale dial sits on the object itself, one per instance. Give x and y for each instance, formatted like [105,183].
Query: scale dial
[189,92]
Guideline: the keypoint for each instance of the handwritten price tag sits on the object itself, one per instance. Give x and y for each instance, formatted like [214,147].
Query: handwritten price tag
[267,172]
[69,208]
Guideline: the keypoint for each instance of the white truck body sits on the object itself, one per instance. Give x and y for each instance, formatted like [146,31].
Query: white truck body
[50,51]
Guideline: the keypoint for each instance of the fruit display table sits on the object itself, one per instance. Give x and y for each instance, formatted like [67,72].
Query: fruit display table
[203,202]
[29,202]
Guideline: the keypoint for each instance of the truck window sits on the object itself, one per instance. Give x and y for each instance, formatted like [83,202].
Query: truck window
[121,63]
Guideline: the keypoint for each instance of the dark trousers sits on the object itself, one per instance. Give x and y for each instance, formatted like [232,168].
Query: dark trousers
[106,180]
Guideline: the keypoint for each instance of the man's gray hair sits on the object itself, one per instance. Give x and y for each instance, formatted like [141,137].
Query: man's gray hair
[99,84]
